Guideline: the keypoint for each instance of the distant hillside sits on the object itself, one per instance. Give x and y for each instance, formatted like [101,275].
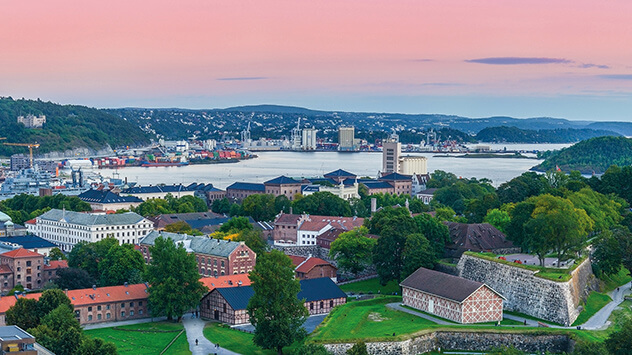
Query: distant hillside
[506,134]
[624,128]
[66,127]
[596,154]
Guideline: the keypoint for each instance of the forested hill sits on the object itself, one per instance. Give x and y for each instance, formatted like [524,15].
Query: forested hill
[593,155]
[504,134]
[66,127]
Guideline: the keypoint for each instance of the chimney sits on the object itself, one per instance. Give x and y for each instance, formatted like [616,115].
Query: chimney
[239,283]
[94,287]
[290,209]
[373,205]
[125,284]
[66,291]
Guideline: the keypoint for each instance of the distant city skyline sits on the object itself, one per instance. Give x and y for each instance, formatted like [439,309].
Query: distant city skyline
[566,59]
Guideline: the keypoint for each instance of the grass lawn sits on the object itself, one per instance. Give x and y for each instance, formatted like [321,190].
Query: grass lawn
[369,320]
[237,341]
[616,280]
[372,286]
[144,338]
[518,314]
[594,303]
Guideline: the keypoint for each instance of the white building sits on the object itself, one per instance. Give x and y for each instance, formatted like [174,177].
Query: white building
[309,139]
[31,121]
[67,228]
[345,192]
[410,165]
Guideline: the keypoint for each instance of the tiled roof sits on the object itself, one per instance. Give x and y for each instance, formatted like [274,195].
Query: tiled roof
[427,192]
[20,253]
[282,180]
[247,186]
[8,301]
[107,196]
[395,177]
[305,265]
[225,281]
[156,189]
[476,237]
[5,269]
[345,223]
[340,173]
[313,225]
[441,284]
[201,245]
[88,296]
[56,264]
[28,241]
[287,218]
[87,219]
[319,289]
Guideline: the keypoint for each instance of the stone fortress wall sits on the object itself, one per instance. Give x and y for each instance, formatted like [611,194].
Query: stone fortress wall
[526,293]
[455,340]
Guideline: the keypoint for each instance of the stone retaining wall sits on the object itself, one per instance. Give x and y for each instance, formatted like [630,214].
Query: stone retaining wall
[557,302]
[470,341]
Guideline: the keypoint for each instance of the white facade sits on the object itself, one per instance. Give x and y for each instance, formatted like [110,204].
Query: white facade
[346,141]
[66,228]
[32,121]
[209,144]
[309,139]
[308,237]
[340,190]
[410,165]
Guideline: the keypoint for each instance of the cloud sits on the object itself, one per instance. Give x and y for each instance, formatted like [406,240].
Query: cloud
[423,60]
[591,65]
[617,76]
[243,78]
[519,60]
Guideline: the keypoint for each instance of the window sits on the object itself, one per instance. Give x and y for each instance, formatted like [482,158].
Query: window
[90,317]
[122,314]
[322,304]
[107,306]
[140,311]
[89,309]
[99,316]
[107,316]
[98,308]
[122,305]
[131,313]
[224,307]
[222,264]
[331,304]
[311,305]
[140,303]
[28,263]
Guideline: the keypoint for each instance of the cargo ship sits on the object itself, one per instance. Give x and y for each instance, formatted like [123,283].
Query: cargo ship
[164,163]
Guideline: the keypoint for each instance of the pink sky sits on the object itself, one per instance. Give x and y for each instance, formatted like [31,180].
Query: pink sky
[403,56]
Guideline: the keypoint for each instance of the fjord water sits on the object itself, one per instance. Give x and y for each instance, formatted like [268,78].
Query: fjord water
[310,164]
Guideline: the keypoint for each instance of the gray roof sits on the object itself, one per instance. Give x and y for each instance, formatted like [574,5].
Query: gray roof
[200,245]
[87,219]
[13,332]
[443,285]
[319,289]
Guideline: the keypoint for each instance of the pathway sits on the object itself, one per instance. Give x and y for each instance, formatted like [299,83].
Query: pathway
[194,328]
[123,322]
[600,319]
[310,324]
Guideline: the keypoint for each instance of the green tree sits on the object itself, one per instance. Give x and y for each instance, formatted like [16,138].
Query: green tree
[282,204]
[50,300]
[275,310]
[259,206]
[323,204]
[92,346]
[590,348]
[440,178]
[605,211]
[310,349]
[556,225]
[56,254]
[23,313]
[87,256]
[353,250]
[522,187]
[417,253]
[72,278]
[392,225]
[221,206]
[174,280]
[254,240]
[620,342]
[182,227]
[498,218]
[436,232]
[59,331]
[121,264]
[515,230]
[236,225]
[358,349]
[608,255]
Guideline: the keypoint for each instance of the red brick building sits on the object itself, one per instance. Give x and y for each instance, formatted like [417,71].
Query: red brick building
[313,268]
[240,190]
[452,297]
[283,185]
[228,304]
[288,228]
[29,269]
[402,184]
[214,257]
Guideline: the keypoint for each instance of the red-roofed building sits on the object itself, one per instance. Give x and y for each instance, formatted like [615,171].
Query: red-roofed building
[98,304]
[26,268]
[294,229]
[313,268]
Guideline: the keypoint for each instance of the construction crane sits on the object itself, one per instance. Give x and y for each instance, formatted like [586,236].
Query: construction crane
[30,145]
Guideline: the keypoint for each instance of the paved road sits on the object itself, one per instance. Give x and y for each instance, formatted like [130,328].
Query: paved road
[310,324]
[600,319]
[194,328]
[124,322]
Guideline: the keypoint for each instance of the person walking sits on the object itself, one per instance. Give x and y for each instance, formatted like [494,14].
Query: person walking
[196,342]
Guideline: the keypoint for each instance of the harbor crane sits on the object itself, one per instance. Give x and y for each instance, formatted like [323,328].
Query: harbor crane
[30,146]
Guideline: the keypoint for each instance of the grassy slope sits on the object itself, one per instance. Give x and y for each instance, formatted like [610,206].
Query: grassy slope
[152,338]
[616,280]
[594,303]
[236,341]
[372,286]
